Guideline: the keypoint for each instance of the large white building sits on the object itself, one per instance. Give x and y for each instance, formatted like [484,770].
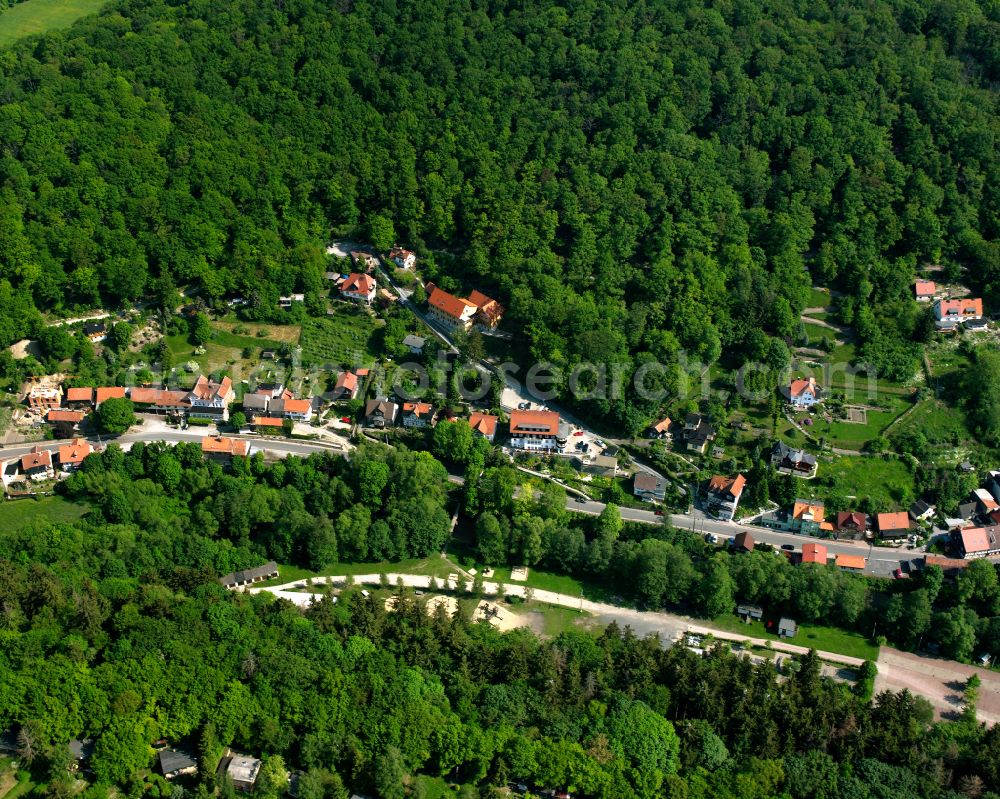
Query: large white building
[537,431]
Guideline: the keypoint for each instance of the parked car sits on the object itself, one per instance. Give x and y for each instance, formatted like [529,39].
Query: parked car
[788,547]
[581,500]
[578,433]
[657,512]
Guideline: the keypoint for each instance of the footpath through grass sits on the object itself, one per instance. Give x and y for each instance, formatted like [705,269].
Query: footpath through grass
[38,16]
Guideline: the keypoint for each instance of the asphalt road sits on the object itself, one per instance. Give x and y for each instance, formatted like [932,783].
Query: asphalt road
[881,562]
[273,445]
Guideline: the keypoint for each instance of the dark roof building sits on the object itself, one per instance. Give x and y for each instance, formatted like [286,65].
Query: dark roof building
[380,412]
[176,764]
[248,576]
[792,461]
[81,749]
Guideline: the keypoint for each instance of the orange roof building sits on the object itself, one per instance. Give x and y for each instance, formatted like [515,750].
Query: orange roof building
[83,395]
[803,392]
[160,399]
[536,430]
[893,525]
[359,287]
[484,424]
[958,310]
[72,455]
[65,417]
[489,312]
[108,392]
[267,422]
[36,462]
[724,494]
[661,428]
[850,562]
[450,310]
[814,553]
[347,385]
[418,414]
[208,399]
[300,409]
[808,510]
[219,446]
[924,290]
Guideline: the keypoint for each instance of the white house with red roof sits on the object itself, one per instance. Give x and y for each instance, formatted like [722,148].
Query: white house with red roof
[959,310]
[37,464]
[449,310]
[803,392]
[484,424]
[72,455]
[211,400]
[489,312]
[346,386]
[924,290]
[298,410]
[976,542]
[537,431]
[404,259]
[358,287]
[723,495]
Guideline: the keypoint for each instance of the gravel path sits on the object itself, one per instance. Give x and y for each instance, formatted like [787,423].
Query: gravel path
[668,626]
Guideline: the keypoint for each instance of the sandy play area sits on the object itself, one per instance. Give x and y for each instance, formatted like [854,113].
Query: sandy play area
[499,616]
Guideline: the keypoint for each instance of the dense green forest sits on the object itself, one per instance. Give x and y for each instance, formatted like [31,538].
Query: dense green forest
[115,627]
[629,178]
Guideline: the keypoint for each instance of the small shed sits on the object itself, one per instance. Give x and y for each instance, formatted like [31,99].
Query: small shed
[787,628]
[749,613]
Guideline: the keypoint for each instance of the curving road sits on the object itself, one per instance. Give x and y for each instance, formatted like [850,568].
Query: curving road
[880,561]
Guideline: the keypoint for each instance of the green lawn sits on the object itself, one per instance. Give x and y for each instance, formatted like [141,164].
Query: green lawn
[937,421]
[38,16]
[346,339]
[818,298]
[546,581]
[887,481]
[557,619]
[17,513]
[226,338]
[854,436]
[222,352]
[827,639]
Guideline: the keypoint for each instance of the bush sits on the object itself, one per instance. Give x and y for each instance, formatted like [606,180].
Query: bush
[198,421]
